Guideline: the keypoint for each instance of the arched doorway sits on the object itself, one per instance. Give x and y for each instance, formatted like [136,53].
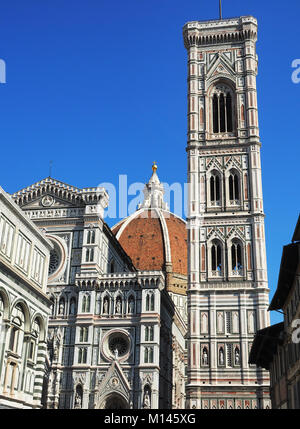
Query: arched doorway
[115,401]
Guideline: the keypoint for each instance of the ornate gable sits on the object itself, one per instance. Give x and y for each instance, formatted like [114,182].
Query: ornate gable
[51,193]
[114,381]
[220,66]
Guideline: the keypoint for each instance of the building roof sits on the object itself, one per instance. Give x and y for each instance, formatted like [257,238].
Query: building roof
[69,194]
[153,237]
[265,345]
[296,236]
[288,268]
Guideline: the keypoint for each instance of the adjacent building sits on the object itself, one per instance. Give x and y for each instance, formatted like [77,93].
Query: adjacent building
[24,307]
[277,348]
[227,271]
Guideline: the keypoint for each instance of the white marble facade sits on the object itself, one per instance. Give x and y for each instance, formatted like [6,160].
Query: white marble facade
[107,319]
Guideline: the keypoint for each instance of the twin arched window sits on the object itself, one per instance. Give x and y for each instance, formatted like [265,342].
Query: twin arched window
[91,237]
[89,256]
[235,258]
[222,110]
[84,333]
[150,302]
[148,355]
[149,333]
[82,355]
[233,188]
[86,303]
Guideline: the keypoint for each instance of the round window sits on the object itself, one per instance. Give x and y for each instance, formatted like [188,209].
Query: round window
[55,259]
[117,345]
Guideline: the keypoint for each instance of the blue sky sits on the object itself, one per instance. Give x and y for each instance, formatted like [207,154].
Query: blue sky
[99,87]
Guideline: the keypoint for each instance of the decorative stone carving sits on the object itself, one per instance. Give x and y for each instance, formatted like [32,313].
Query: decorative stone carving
[47,201]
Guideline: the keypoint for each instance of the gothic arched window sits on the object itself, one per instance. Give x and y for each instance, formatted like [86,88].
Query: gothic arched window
[148,355]
[234,188]
[215,194]
[83,334]
[222,110]
[61,306]
[82,355]
[149,333]
[17,330]
[86,303]
[152,302]
[236,257]
[89,256]
[91,237]
[216,257]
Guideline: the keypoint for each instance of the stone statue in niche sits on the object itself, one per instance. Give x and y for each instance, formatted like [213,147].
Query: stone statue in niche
[62,307]
[131,305]
[118,306]
[78,400]
[72,307]
[57,337]
[147,402]
[205,357]
[237,356]
[116,353]
[105,306]
[221,356]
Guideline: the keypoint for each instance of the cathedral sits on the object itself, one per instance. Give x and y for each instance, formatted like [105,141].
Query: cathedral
[157,312]
[117,327]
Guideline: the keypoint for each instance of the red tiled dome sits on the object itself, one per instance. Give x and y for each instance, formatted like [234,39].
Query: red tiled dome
[153,237]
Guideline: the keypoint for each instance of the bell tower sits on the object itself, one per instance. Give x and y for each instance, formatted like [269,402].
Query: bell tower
[227,284]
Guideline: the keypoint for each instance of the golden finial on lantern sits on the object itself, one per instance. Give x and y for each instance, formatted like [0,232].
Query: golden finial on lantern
[154,167]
